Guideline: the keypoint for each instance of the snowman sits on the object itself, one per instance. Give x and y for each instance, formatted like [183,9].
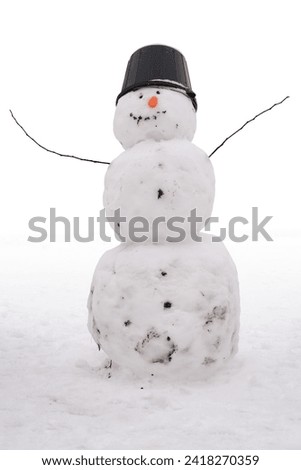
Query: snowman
[162,304]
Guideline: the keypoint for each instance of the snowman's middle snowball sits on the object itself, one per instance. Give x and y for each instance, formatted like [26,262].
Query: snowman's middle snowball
[160,179]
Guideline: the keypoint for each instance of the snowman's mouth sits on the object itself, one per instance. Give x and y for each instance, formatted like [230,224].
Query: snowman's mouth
[140,118]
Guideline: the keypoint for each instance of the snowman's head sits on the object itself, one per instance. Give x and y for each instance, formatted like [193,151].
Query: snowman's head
[154,113]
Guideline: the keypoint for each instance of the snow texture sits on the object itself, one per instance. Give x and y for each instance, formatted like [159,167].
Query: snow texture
[54,394]
[168,310]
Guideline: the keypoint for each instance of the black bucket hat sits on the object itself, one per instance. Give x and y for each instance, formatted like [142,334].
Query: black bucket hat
[157,65]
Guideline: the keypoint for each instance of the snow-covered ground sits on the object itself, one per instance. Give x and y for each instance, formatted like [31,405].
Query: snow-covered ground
[54,395]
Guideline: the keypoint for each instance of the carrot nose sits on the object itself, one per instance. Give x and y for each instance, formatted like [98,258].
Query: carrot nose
[152,102]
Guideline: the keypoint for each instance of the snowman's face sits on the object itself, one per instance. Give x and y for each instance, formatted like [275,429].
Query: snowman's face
[154,113]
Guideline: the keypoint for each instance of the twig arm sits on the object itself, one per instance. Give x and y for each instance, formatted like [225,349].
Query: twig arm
[250,120]
[53,151]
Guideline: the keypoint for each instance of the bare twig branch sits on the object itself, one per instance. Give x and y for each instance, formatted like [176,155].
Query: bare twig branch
[52,151]
[262,112]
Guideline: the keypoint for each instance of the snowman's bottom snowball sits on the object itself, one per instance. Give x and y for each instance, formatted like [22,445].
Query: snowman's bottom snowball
[167,310]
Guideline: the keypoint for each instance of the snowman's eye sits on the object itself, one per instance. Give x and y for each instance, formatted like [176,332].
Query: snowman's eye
[141,96]
[158,92]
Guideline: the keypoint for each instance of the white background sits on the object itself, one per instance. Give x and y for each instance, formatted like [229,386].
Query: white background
[62,66]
